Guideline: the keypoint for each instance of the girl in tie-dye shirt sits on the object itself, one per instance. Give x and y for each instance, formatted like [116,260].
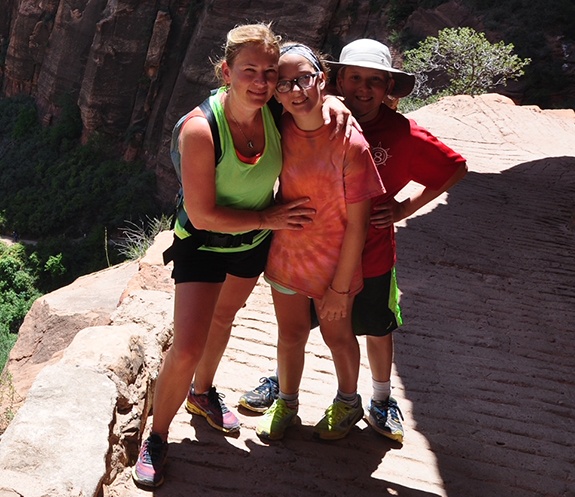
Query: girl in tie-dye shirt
[322,261]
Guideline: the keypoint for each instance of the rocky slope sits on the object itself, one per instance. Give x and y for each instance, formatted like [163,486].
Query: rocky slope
[135,67]
[483,365]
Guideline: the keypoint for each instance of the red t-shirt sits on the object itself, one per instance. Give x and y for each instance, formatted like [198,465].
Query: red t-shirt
[332,173]
[403,152]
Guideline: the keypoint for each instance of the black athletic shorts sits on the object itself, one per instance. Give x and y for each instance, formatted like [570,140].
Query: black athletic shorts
[194,265]
[376,310]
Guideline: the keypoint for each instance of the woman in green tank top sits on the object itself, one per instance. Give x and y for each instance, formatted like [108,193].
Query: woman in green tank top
[232,208]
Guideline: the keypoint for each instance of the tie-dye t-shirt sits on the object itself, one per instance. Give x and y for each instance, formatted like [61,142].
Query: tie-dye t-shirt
[332,173]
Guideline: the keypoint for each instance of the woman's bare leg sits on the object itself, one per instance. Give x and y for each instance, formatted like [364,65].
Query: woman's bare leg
[193,308]
[233,296]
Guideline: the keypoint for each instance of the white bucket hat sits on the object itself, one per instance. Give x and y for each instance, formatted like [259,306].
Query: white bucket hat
[375,55]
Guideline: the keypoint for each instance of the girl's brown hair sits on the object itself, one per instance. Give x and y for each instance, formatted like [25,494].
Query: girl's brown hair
[321,59]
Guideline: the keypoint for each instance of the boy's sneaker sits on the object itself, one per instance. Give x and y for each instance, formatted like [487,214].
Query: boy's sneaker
[212,407]
[277,418]
[339,419]
[149,468]
[262,397]
[385,418]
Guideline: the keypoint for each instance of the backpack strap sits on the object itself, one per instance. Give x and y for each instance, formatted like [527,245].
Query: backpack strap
[174,143]
[206,108]
[276,110]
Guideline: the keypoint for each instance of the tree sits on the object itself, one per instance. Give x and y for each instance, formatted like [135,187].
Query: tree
[17,294]
[461,61]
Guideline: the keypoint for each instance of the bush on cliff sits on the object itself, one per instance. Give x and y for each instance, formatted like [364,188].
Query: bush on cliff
[18,276]
[66,195]
[461,61]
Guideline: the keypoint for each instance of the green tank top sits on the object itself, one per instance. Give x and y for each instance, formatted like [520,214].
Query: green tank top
[240,185]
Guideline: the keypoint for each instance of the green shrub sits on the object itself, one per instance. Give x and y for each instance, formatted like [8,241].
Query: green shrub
[52,187]
[25,123]
[64,195]
[136,238]
[410,104]
[18,276]
[461,61]
[7,341]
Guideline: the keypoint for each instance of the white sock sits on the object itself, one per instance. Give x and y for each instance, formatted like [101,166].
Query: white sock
[194,392]
[381,390]
[351,399]
[291,400]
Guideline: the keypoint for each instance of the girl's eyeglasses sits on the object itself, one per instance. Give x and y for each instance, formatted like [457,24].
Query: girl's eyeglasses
[304,82]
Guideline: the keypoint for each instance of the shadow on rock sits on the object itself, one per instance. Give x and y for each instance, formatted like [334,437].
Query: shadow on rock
[486,352]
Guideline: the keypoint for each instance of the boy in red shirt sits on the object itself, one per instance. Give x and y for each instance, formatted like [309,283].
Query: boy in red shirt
[402,152]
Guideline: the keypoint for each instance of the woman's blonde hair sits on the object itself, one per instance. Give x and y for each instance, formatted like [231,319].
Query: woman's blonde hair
[247,34]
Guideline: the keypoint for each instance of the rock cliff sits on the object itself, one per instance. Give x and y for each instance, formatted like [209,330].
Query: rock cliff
[482,368]
[135,67]
[85,364]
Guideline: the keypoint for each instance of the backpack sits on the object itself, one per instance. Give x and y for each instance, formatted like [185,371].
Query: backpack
[174,150]
[179,211]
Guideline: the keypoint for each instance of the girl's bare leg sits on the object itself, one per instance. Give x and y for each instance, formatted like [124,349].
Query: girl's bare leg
[293,316]
[339,337]
[380,355]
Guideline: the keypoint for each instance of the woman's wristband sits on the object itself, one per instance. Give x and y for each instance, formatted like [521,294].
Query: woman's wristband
[339,293]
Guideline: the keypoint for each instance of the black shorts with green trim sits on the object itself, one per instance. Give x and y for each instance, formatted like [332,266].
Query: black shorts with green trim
[376,310]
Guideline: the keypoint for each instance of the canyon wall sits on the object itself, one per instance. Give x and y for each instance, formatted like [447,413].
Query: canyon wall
[134,68]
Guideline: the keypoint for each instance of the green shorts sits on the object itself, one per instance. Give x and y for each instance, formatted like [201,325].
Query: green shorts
[376,310]
[279,288]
